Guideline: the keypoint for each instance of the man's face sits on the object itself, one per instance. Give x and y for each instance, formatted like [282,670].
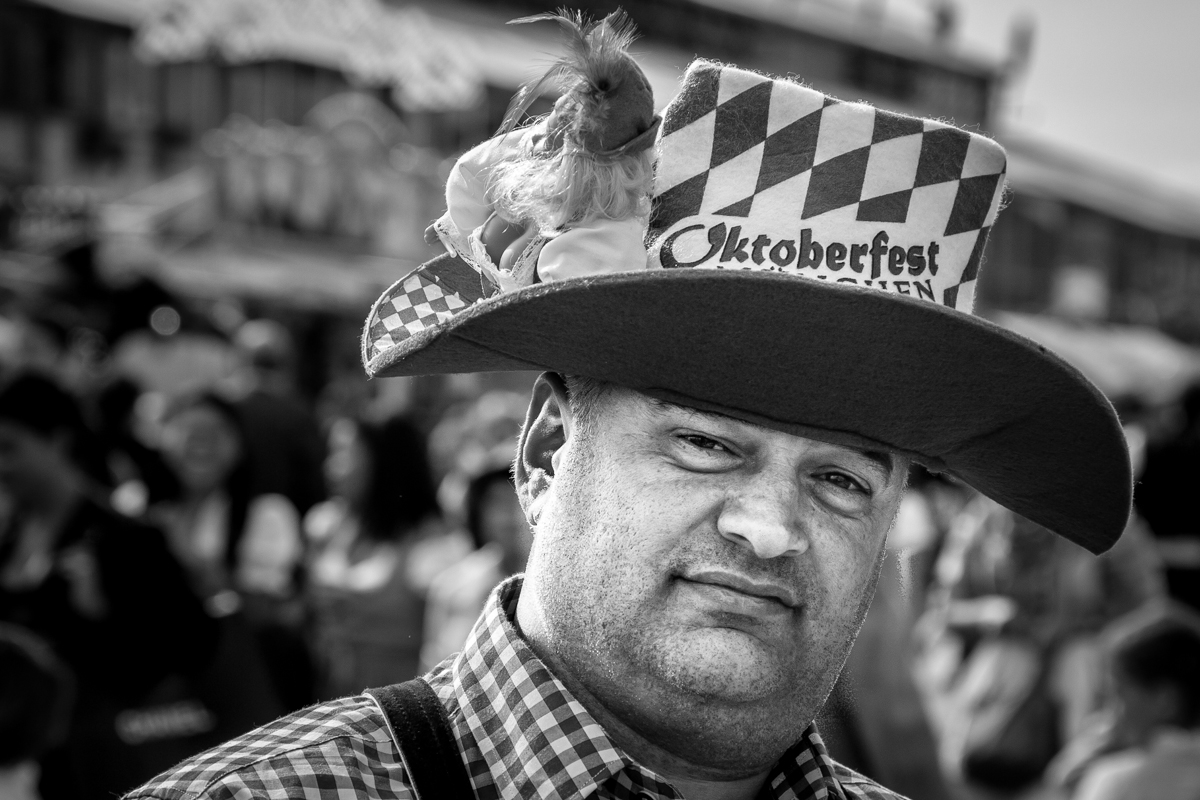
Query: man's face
[704,578]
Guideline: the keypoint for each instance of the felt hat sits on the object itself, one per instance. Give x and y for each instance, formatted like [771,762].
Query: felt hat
[818,265]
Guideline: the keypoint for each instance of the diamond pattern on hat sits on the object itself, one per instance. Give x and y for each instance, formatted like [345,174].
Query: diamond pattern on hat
[972,203]
[697,97]
[790,102]
[891,126]
[783,203]
[844,127]
[932,202]
[790,150]
[861,170]
[733,82]
[892,166]
[961,296]
[971,272]
[885,208]
[685,154]
[681,200]
[733,180]
[943,151]
[984,157]
[741,123]
[836,183]
[739,209]
[954,258]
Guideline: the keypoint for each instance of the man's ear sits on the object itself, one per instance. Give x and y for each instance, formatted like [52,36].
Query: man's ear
[547,428]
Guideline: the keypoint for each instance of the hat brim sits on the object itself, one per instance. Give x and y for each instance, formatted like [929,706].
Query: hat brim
[832,362]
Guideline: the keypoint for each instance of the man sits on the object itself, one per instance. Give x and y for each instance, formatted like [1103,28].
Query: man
[711,485]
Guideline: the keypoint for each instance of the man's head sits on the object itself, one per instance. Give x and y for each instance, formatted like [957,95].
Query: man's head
[702,578]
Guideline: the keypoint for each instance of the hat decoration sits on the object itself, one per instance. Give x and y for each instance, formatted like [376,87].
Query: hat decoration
[566,196]
[607,109]
[819,260]
[577,180]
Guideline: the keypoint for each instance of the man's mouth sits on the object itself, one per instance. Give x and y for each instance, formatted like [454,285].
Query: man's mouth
[742,590]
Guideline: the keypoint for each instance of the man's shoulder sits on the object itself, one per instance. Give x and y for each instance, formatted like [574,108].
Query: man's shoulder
[860,787]
[334,750]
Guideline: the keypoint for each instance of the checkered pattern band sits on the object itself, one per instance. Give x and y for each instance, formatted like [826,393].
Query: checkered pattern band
[521,734]
[748,163]
[430,294]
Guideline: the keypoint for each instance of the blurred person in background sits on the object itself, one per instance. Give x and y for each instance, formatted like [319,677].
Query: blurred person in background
[282,435]
[140,475]
[1012,633]
[375,547]
[502,539]
[472,438]
[1147,744]
[1166,498]
[36,694]
[103,590]
[241,549]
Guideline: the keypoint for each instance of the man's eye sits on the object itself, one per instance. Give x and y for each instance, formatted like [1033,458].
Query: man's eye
[844,481]
[703,442]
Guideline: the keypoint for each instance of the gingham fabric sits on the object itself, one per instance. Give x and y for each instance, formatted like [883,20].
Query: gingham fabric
[430,294]
[521,734]
[763,173]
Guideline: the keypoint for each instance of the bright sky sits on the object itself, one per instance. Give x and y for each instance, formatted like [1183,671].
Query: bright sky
[1119,79]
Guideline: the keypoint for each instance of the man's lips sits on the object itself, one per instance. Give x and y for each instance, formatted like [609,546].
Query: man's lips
[740,584]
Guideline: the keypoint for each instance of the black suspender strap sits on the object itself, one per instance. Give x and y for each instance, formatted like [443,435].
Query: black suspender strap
[426,740]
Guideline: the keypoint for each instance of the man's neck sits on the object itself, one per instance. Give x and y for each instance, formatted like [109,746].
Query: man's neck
[692,781]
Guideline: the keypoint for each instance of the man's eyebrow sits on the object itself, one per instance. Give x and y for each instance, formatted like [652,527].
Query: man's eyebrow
[881,457]
[885,460]
[663,406]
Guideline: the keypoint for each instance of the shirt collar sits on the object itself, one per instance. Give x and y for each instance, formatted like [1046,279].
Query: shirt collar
[540,742]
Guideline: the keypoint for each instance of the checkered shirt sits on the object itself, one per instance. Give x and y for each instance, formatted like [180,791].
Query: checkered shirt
[520,732]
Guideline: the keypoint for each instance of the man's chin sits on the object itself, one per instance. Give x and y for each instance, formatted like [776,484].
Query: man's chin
[721,664]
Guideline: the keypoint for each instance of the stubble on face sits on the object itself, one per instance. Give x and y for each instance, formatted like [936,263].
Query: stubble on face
[712,683]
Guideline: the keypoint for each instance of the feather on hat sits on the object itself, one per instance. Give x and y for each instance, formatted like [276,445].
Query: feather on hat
[607,106]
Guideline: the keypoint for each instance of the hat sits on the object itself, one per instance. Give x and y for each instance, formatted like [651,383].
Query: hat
[818,265]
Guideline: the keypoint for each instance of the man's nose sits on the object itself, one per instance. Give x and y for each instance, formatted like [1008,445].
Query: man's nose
[765,516]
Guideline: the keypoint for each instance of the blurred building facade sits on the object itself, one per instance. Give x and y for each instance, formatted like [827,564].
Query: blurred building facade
[292,154]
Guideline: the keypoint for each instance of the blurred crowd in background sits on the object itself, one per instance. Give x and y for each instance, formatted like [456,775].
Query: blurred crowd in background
[209,517]
[177,567]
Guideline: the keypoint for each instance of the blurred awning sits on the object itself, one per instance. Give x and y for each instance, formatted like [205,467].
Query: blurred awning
[292,271]
[436,56]
[1040,169]
[374,44]
[1124,361]
[510,55]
